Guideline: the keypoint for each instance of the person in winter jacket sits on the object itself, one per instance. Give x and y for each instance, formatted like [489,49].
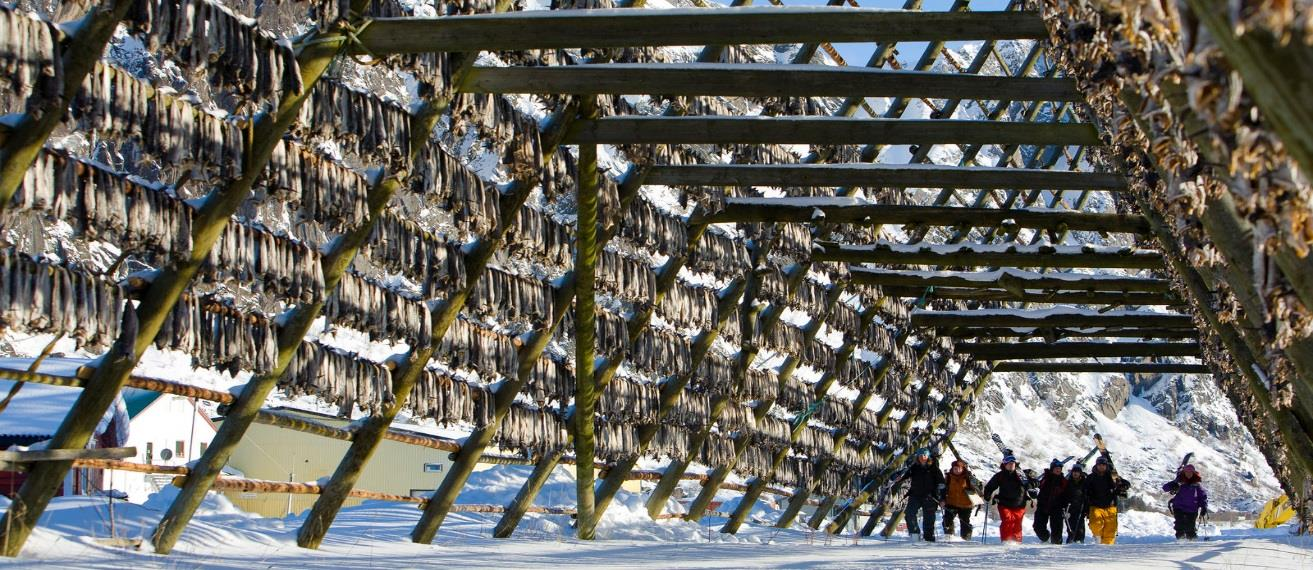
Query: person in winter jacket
[1077,506]
[957,499]
[1102,490]
[1189,500]
[924,491]
[1049,513]
[1011,490]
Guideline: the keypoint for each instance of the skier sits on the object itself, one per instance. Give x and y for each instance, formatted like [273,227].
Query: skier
[1049,504]
[1102,490]
[1077,505]
[1011,491]
[1189,501]
[923,495]
[957,500]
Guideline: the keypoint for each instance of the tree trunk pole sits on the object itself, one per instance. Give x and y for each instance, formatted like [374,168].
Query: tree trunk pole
[524,499]
[585,319]
[79,55]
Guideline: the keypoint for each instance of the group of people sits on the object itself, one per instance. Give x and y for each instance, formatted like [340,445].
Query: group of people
[1063,502]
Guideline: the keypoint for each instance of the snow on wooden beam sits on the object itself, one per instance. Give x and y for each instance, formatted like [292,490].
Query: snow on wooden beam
[1103,367]
[846,210]
[1033,296]
[608,28]
[1010,279]
[1023,351]
[875,176]
[1003,255]
[825,130]
[1054,333]
[762,80]
[1048,317]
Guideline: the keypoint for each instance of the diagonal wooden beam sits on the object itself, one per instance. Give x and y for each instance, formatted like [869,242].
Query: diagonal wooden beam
[876,175]
[761,80]
[1103,367]
[1012,280]
[612,28]
[1003,255]
[847,210]
[995,351]
[825,130]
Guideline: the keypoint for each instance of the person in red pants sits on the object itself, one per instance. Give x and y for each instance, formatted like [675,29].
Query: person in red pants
[1011,491]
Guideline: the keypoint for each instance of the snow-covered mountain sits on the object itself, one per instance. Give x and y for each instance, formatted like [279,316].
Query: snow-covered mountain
[1149,423]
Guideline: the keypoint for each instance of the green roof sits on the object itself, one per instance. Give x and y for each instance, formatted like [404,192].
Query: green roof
[137,400]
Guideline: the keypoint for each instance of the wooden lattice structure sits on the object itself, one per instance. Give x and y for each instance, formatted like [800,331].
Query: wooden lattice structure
[190,175]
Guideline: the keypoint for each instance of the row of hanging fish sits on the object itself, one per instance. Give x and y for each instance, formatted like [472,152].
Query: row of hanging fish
[661,352]
[219,336]
[31,64]
[398,245]
[42,297]
[548,241]
[626,278]
[511,297]
[101,204]
[693,307]
[375,309]
[210,41]
[550,381]
[172,131]
[337,377]
[691,410]
[614,440]
[467,346]
[268,264]
[360,123]
[533,431]
[429,68]
[627,401]
[715,374]
[649,227]
[670,441]
[318,188]
[448,400]
[720,255]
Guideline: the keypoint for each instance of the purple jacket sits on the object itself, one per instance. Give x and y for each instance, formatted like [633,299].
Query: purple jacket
[1189,496]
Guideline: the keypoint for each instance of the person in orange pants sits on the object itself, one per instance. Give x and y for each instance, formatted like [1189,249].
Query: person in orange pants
[1011,499]
[1103,488]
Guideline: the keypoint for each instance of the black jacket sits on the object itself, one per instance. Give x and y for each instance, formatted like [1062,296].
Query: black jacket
[1011,490]
[1074,495]
[1103,490]
[925,480]
[1051,489]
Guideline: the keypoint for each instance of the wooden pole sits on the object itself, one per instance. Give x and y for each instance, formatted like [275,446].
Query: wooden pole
[861,174]
[972,256]
[523,500]
[157,303]
[615,28]
[585,328]
[1035,350]
[825,130]
[839,210]
[761,80]
[78,54]
[1103,367]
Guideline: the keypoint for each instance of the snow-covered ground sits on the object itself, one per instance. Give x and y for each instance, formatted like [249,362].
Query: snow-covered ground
[375,535]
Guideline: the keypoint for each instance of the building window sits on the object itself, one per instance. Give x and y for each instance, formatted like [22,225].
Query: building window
[150,452]
[180,449]
[204,446]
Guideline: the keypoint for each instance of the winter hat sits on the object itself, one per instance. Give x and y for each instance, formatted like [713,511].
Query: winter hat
[1188,469]
[1101,461]
[1078,467]
[923,452]
[1055,463]
[1009,459]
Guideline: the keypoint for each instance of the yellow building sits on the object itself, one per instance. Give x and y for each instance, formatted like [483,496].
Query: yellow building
[276,454]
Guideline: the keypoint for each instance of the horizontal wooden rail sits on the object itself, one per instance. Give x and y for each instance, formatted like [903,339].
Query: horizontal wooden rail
[1103,367]
[1011,280]
[975,256]
[116,465]
[873,175]
[824,130]
[762,80]
[607,28]
[797,210]
[1054,333]
[1035,350]
[1033,296]
[1049,318]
